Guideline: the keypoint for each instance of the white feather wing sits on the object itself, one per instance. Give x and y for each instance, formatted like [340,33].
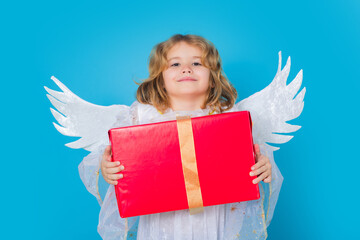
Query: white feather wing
[79,118]
[273,106]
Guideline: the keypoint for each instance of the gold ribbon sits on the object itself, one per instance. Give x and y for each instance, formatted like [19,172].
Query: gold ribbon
[189,166]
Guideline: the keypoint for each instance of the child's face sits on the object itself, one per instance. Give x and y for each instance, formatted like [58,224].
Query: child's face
[185,76]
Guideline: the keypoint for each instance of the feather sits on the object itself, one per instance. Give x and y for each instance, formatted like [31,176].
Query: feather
[79,118]
[273,106]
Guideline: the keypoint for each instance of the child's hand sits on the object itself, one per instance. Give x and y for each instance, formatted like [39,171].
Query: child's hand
[262,168]
[110,169]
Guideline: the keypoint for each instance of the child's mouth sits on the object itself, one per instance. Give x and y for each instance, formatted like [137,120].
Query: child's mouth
[186,79]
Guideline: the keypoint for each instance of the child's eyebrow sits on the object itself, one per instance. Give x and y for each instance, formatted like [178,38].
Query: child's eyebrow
[180,58]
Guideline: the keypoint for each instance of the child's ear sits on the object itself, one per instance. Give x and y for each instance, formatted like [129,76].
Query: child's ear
[212,84]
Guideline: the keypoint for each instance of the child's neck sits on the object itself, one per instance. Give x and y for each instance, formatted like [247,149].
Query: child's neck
[186,104]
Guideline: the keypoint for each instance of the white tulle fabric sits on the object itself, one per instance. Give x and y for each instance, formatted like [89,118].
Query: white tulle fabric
[244,220]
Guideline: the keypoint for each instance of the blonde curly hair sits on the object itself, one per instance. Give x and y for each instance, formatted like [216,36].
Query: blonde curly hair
[221,94]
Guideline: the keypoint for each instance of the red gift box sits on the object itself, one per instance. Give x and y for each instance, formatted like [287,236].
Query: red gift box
[154,175]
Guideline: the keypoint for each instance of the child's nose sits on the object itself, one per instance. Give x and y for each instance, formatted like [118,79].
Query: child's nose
[187,69]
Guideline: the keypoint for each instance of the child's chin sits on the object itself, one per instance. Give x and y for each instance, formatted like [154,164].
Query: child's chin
[193,93]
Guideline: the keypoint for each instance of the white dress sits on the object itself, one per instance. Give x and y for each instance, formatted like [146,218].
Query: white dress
[244,220]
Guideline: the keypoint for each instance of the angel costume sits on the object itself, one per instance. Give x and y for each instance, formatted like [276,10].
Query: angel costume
[269,108]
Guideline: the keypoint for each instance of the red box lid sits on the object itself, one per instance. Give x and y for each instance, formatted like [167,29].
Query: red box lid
[153,177]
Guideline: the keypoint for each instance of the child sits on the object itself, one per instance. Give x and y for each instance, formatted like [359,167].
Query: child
[185,76]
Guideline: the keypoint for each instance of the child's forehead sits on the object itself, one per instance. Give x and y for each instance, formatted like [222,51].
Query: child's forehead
[184,45]
[183,49]
[194,57]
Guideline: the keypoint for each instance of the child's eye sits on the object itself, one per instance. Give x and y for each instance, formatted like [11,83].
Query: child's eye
[175,65]
[197,64]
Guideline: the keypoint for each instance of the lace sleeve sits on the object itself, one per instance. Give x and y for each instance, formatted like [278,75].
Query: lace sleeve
[111,226]
[89,168]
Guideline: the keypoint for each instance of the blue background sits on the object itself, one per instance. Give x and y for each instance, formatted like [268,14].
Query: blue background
[98,48]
